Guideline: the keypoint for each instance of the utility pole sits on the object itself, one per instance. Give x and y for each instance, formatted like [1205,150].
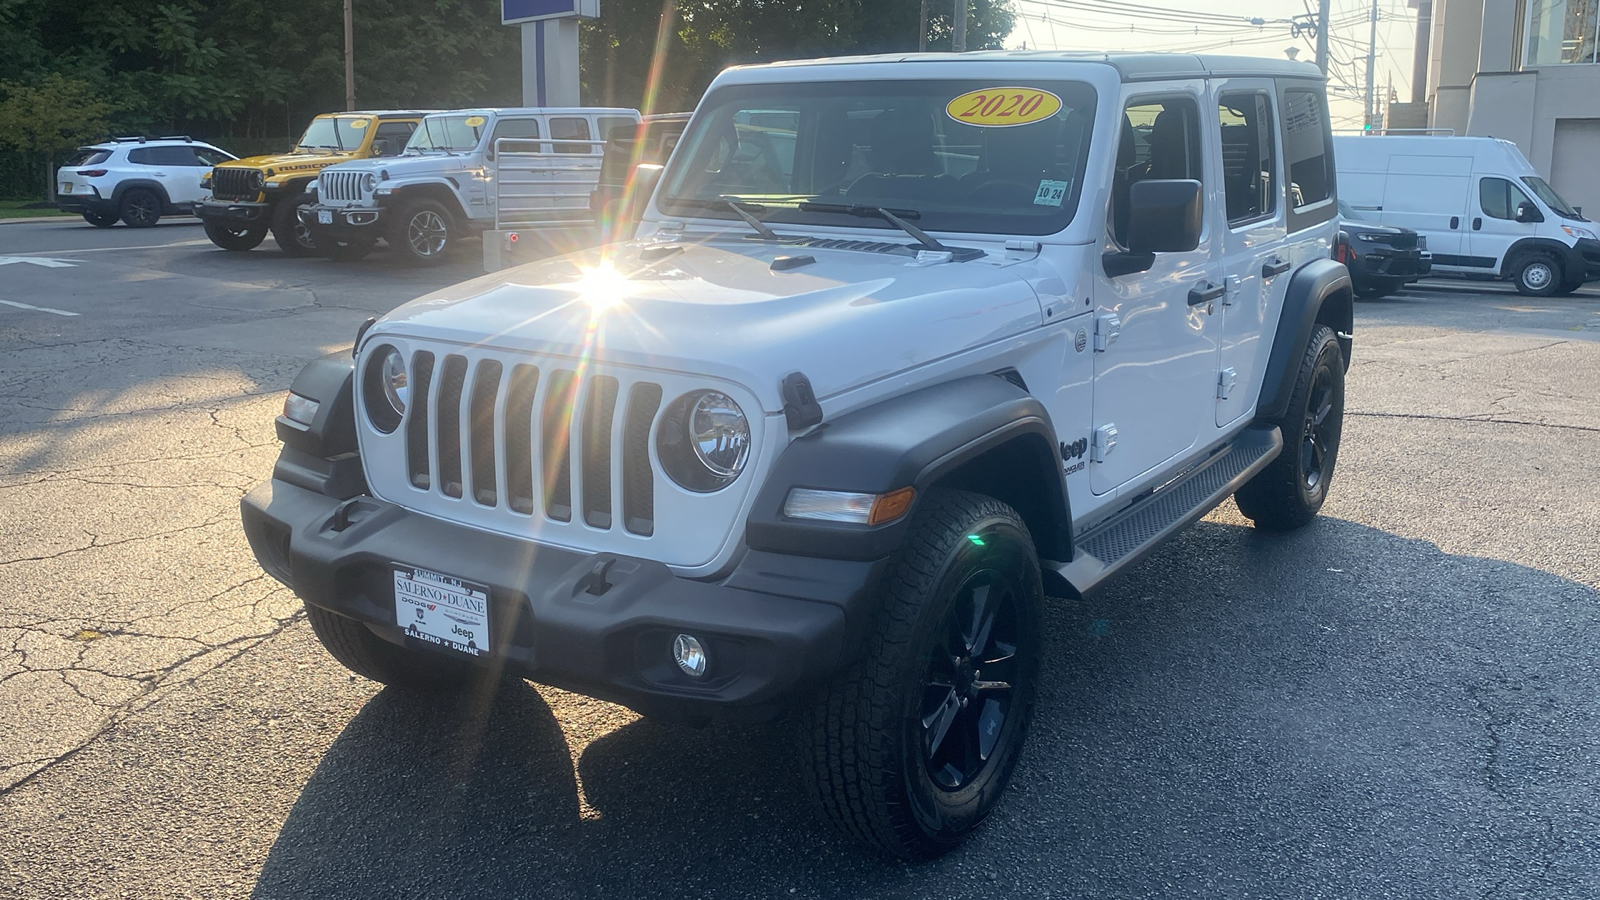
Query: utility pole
[1372,61]
[958,41]
[922,29]
[349,60]
[1322,35]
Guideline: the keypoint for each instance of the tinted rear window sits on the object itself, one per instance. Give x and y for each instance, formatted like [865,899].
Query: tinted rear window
[88,156]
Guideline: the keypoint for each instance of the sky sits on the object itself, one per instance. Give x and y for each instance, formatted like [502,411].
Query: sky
[1224,27]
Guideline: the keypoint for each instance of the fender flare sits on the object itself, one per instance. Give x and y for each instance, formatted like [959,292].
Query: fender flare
[128,184]
[435,189]
[323,456]
[972,433]
[1551,246]
[1319,292]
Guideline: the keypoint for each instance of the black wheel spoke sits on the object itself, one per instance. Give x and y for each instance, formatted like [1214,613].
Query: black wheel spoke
[936,724]
[991,721]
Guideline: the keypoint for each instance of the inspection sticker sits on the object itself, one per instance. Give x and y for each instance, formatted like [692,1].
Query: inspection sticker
[1051,193]
[442,610]
[1002,107]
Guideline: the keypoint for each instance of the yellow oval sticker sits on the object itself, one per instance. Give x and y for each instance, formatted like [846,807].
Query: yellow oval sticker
[357,124]
[1000,107]
[474,121]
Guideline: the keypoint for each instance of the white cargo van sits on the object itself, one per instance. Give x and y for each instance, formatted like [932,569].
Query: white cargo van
[1483,207]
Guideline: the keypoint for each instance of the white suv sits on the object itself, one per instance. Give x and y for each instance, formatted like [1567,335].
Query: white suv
[137,180]
[906,345]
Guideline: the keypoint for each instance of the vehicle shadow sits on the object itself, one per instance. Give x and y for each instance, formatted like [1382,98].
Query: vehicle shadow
[1337,712]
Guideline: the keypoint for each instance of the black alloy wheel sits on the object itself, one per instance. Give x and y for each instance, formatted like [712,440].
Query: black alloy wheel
[141,208]
[293,236]
[1320,433]
[969,686]
[1290,491]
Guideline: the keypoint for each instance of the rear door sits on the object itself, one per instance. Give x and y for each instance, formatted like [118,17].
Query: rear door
[1255,264]
[1155,352]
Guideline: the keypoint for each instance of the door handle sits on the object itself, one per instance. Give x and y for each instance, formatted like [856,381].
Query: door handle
[1477,223]
[1455,222]
[1275,268]
[1206,293]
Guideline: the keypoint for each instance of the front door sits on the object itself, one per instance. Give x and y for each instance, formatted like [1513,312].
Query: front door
[1156,354]
[1255,262]
[1494,223]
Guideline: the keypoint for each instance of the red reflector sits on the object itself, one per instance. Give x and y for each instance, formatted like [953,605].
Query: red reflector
[92,173]
[512,237]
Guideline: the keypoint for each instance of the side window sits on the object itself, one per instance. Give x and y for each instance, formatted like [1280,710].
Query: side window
[142,156]
[572,128]
[1248,163]
[609,124]
[1500,198]
[395,135]
[1305,148]
[1160,140]
[209,157]
[515,128]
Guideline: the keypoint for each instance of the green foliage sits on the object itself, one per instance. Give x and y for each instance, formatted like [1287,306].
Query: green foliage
[54,114]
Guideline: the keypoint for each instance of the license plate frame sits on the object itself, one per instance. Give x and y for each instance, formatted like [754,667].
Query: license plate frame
[324,217]
[66,187]
[448,612]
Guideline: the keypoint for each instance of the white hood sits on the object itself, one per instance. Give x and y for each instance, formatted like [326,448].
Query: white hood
[720,310]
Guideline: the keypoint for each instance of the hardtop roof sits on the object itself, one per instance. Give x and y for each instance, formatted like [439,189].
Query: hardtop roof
[1130,66]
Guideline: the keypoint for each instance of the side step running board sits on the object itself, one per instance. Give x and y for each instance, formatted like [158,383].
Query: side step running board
[1124,539]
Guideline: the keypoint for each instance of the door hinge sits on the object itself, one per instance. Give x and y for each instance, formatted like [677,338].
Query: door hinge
[1232,286]
[1105,440]
[1226,380]
[1107,328]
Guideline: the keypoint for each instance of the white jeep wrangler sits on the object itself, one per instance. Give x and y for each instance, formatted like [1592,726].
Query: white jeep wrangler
[905,346]
[446,184]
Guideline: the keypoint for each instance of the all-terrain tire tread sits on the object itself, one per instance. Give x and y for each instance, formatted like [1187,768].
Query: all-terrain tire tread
[1272,498]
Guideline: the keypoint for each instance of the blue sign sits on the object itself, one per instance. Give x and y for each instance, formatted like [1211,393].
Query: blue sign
[513,12]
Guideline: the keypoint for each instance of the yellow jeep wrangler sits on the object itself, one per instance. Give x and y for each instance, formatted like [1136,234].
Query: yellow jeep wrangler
[251,196]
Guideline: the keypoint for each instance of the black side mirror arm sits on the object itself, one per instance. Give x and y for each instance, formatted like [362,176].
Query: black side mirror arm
[1118,263]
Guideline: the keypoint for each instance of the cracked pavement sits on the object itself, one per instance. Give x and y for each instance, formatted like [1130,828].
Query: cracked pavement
[1399,701]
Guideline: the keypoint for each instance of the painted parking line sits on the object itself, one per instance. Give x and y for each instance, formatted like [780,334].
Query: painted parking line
[44,309]
[110,249]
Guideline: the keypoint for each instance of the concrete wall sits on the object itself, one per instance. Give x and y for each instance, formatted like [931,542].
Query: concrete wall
[1457,44]
[1526,107]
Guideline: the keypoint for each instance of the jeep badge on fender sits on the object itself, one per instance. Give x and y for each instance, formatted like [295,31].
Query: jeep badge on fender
[605,470]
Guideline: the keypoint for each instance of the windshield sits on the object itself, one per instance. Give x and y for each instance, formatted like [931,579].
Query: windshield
[952,155]
[334,133]
[455,133]
[1551,198]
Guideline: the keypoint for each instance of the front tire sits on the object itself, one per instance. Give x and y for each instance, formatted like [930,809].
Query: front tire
[292,235]
[911,747]
[235,237]
[1289,492]
[100,220]
[140,208]
[1538,276]
[422,232]
[364,653]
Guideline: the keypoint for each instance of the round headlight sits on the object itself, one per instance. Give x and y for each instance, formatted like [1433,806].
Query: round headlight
[385,388]
[369,182]
[704,441]
[257,179]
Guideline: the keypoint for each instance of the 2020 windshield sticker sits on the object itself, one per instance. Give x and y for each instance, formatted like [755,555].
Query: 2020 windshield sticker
[357,124]
[1050,193]
[1003,107]
[474,121]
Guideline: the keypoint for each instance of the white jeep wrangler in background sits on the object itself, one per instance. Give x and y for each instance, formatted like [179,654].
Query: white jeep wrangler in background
[446,186]
[903,347]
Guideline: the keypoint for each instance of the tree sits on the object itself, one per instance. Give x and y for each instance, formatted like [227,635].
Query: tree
[49,117]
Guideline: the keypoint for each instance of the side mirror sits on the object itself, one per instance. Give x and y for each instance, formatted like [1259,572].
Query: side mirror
[380,147]
[1164,216]
[1528,213]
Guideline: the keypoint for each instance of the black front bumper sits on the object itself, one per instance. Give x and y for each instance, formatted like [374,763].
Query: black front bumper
[1585,258]
[1390,263]
[344,222]
[233,212]
[599,624]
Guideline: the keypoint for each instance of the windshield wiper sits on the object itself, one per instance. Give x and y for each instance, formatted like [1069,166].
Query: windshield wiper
[897,218]
[744,209]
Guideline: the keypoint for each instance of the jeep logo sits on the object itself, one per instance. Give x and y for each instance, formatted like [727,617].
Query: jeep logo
[1074,450]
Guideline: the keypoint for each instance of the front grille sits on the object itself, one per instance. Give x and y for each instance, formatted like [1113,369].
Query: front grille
[340,187]
[1401,241]
[509,437]
[234,183]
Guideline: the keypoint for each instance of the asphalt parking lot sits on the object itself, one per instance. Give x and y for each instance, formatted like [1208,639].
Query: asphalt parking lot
[1399,701]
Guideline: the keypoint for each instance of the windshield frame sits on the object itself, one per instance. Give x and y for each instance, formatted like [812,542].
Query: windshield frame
[1548,196]
[1080,101]
[425,129]
[340,132]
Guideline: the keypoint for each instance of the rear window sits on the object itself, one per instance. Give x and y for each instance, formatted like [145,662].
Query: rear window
[573,129]
[1305,145]
[88,156]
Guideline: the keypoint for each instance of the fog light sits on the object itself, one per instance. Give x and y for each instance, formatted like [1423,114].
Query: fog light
[689,655]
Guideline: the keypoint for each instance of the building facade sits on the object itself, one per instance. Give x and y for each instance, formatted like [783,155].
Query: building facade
[1527,71]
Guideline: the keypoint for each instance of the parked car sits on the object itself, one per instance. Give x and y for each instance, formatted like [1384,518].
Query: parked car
[446,185]
[250,197]
[649,144]
[1481,205]
[1381,258]
[136,179]
[823,437]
